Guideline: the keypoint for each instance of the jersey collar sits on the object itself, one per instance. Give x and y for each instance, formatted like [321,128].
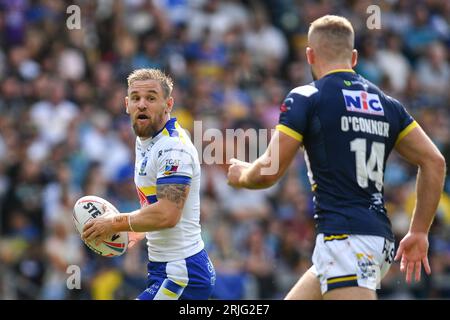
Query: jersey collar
[339,70]
[169,125]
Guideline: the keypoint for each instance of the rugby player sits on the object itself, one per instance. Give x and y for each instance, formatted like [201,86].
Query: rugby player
[167,178]
[347,128]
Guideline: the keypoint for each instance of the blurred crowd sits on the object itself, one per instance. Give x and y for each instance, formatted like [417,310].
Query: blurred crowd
[64,132]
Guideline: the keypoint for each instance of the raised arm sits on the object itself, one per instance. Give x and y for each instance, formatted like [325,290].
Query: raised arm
[267,169]
[295,112]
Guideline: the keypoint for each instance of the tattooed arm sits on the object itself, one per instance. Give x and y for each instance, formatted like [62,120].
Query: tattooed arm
[174,193]
[165,213]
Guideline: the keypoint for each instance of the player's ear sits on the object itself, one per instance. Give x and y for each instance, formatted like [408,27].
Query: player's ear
[354,57]
[126,105]
[169,104]
[310,55]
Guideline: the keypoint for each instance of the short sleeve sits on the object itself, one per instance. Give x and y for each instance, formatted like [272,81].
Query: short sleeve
[174,164]
[406,121]
[295,110]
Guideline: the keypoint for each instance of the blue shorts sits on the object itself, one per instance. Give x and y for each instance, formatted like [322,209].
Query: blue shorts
[192,278]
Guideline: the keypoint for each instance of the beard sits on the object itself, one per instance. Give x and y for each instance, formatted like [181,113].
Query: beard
[143,131]
[150,129]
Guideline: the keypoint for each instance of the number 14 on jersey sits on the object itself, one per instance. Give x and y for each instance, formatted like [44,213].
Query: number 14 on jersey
[372,169]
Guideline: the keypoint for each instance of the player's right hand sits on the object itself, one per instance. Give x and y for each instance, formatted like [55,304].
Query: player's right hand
[235,171]
[413,251]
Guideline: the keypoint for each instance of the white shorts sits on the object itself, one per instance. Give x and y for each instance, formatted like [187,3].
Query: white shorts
[351,260]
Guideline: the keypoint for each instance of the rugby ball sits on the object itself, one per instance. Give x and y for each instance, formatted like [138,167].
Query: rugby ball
[91,207]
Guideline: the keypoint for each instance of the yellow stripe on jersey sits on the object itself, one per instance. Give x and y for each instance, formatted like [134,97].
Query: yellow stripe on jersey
[405,131]
[360,255]
[148,191]
[180,283]
[165,132]
[169,293]
[180,133]
[291,133]
[340,70]
[342,279]
[336,237]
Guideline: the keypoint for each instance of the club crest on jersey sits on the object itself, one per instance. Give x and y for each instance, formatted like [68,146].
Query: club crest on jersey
[363,102]
[286,106]
[171,167]
[142,168]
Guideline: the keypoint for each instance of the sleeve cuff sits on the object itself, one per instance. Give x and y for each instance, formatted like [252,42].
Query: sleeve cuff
[407,130]
[290,132]
[174,180]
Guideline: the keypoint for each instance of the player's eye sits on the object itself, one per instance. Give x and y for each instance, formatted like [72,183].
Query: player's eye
[151,98]
[134,98]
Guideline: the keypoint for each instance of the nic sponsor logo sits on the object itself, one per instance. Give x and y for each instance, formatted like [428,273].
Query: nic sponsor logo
[363,102]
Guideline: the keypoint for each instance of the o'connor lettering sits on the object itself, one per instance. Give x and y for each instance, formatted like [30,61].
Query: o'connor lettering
[360,124]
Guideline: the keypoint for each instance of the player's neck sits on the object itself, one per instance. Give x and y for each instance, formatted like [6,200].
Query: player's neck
[329,68]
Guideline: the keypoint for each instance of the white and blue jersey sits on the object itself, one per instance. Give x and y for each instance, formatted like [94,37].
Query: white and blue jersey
[177,260]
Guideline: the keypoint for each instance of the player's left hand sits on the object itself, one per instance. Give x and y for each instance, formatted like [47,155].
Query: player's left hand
[235,171]
[413,251]
[134,238]
[98,229]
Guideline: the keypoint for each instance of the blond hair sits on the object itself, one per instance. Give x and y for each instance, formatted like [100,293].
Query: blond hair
[333,37]
[152,74]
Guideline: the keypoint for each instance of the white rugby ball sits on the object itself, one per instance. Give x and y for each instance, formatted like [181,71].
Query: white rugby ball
[91,207]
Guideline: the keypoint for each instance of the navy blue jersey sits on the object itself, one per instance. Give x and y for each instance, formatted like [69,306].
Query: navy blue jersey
[348,127]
